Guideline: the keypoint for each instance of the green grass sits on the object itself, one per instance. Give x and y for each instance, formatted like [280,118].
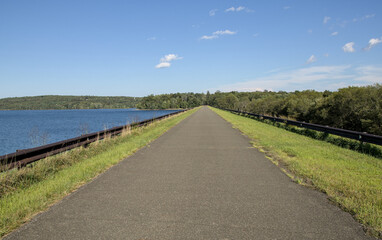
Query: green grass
[28,191]
[362,147]
[351,179]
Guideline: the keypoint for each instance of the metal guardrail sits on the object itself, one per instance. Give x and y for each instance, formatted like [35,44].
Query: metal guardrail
[360,136]
[23,157]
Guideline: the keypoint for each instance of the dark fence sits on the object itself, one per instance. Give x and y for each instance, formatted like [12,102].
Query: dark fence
[21,158]
[363,137]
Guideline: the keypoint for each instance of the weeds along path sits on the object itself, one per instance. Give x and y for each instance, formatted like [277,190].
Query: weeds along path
[200,180]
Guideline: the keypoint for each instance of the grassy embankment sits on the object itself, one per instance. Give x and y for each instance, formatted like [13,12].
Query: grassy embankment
[25,192]
[350,179]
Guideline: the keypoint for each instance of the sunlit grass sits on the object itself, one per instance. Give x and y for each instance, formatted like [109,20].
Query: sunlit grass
[30,190]
[351,179]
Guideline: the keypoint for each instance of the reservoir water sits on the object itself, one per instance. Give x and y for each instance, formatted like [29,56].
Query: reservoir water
[31,128]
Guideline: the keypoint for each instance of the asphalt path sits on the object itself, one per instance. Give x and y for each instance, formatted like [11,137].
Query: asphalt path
[200,180]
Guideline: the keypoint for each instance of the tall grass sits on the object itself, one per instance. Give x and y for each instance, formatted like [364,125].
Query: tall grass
[351,179]
[30,190]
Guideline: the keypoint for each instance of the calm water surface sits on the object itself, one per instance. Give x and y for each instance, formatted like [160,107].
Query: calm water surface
[32,128]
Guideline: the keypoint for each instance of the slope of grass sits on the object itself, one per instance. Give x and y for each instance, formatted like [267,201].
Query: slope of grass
[351,179]
[362,147]
[30,190]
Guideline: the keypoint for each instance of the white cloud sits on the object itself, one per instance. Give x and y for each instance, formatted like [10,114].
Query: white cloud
[225,32]
[369,16]
[363,17]
[238,9]
[348,47]
[312,59]
[369,74]
[163,65]
[372,43]
[231,9]
[326,19]
[165,61]
[320,77]
[286,7]
[241,8]
[170,57]
[316,77]
[213,12]
[205,37]
[334,33]
[217,34]
[343,23]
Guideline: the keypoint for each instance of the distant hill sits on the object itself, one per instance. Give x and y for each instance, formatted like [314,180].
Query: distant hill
[66,102]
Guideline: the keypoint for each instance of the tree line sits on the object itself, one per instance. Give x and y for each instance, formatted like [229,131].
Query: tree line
[66,102]
[172,101]
[353,108]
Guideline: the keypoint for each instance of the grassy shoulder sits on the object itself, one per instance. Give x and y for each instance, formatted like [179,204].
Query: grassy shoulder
[351,179]
[28,191]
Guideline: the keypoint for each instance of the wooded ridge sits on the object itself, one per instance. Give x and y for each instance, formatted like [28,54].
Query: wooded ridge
[353,108]
[66,102]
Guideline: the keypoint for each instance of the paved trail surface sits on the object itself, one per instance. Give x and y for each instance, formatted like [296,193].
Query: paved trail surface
[200,180]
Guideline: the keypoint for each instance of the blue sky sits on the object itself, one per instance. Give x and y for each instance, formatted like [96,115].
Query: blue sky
[137,48]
